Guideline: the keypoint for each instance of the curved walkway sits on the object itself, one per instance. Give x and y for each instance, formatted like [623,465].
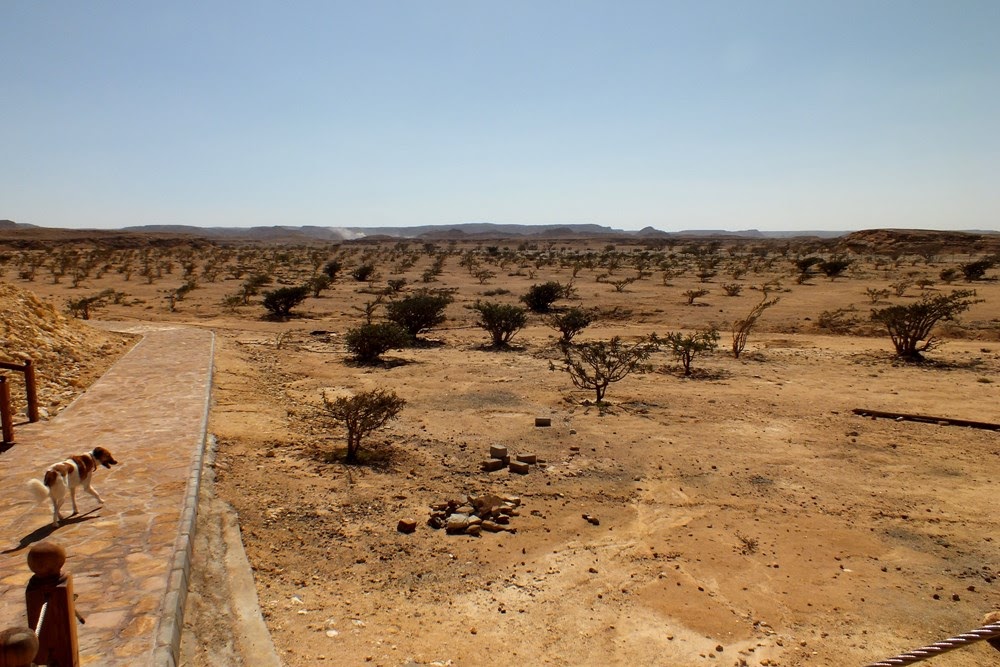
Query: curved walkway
[130,559]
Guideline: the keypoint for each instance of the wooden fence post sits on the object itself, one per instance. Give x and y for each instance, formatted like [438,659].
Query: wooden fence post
[18,647]
[6,419]
[57,641]
[32,389]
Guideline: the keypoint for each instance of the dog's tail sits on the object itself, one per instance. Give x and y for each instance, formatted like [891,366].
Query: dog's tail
[38,490]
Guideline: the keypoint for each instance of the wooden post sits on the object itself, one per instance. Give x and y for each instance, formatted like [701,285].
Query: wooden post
[32,389]
[57,642]
[18,647]
[6,419]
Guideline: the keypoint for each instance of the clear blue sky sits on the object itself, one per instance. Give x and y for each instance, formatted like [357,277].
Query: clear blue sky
[701,114]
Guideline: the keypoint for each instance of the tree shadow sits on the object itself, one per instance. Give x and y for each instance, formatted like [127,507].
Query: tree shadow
[40,534]
[382,362]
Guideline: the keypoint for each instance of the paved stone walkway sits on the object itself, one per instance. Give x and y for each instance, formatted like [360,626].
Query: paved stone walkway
[130,558]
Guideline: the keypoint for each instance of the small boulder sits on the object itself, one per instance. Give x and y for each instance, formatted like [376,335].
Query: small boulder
[406,526]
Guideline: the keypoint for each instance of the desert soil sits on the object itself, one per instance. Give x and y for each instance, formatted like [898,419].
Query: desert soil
[744,516]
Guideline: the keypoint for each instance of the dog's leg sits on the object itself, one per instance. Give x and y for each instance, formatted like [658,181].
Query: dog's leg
[57,492]
[72,497]
[92,491]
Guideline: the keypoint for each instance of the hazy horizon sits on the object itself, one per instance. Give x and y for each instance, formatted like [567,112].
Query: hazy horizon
[772,115]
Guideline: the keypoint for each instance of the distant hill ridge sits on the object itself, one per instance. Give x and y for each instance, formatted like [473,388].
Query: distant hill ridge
[491,231]
[466,230]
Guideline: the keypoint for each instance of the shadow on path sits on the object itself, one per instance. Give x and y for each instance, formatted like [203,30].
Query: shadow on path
[46,530]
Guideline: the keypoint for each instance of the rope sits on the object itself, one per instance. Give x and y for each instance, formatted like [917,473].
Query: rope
[41,618]
[923,653]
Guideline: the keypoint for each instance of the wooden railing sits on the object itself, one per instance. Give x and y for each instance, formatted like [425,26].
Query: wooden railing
[6,414]
[50,637]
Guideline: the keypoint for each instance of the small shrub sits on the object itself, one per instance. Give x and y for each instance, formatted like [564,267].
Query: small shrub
[948,275]
[693,294]
[910,325]
[539,298]
[332,268]
[732,289]
[596,365]
[363,273]
[318,283]
[875,295]
[368,342]
[838,321]
[685,347]
[363,413]
[742,328]
[81,308]
[502,321]
[833,268]
[976,270]
[900,286]
[279,303]
[570,323]
[419,312]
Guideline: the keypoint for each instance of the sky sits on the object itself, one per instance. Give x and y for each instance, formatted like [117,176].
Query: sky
[708,114]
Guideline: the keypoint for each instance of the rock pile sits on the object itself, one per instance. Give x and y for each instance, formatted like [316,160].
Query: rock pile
[68,355]
[500,459]
[471,515]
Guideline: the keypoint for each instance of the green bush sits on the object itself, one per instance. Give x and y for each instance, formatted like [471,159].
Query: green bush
[368,342]
[539,298]
[363,273]
[418,312]
[570,323]
[500,320]
[910,325]
[279,303]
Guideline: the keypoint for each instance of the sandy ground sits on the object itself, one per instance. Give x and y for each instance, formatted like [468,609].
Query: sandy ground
[744,517]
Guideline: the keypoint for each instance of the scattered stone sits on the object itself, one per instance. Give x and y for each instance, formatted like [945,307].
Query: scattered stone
[519,467]
[407,526]
[498,452]
[457,523]
[527,458]
[592,519]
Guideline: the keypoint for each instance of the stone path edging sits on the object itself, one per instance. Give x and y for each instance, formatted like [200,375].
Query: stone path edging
[168,631]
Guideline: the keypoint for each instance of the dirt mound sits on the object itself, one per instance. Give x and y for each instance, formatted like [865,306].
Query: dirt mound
[68,355]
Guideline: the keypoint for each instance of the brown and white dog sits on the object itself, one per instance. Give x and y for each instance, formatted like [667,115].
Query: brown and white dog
[74,472]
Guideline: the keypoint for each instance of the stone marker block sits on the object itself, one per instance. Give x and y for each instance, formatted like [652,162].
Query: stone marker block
[406,526]
[527,458]
[491,465]
[498,452]
[543,421]
[519,467]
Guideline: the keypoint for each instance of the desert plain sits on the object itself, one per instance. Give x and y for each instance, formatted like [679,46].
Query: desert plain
[740,515]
